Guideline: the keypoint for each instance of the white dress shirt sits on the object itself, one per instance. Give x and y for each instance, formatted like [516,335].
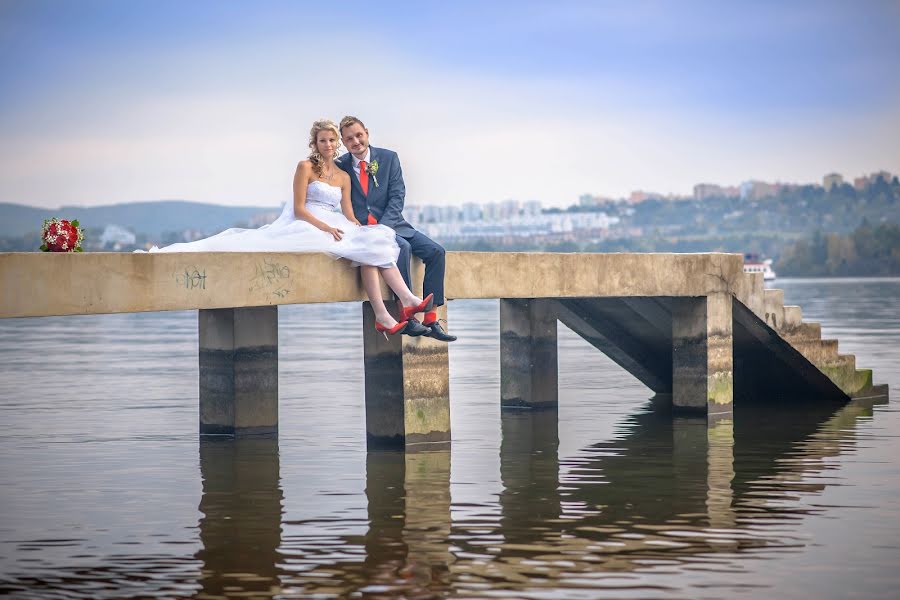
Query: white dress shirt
[356,161]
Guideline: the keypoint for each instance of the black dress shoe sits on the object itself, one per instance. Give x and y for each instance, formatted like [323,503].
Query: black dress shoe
[415,329]
[437,332]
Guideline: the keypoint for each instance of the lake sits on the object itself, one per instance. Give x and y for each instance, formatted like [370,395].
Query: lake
[107,492]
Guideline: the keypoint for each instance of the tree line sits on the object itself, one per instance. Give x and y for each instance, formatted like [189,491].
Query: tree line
[866,251]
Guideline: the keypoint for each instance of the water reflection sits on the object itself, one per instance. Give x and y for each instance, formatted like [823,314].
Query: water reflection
[241,525]
[529,470]
[407,547]
[670,491]
[666,497]
[405,551]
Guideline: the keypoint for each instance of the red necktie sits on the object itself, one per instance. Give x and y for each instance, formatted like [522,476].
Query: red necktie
[363,177]
[364,184]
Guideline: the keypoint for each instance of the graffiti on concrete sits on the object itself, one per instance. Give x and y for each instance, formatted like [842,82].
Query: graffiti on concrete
[271,277]
[191,278]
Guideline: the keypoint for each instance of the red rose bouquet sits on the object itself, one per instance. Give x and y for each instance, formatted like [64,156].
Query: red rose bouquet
[61,236]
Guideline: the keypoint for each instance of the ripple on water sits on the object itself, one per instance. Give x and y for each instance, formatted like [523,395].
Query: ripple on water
[107,493]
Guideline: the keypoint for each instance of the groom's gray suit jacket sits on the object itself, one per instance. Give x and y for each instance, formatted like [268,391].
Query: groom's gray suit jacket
[385,201]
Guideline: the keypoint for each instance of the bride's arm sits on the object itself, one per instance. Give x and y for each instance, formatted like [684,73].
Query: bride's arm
[301,183]
[346,203]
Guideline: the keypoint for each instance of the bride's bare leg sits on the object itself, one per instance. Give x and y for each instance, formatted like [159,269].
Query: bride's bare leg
[395,281]
[373,289]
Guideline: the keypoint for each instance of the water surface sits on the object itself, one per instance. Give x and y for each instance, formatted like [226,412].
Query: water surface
[106,491]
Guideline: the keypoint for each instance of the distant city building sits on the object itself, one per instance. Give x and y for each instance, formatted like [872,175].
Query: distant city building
[531,208]
[448,214]
[832,180]
[507,219]
[471,212]
[861,183]
[509,209]
[757,190]
[591,201]
[587,200]
[639,196]
[491,211]
[431,214]
[881,174]
[702,191]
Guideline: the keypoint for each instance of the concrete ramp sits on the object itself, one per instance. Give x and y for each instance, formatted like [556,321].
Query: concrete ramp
[785,364]
[640,341]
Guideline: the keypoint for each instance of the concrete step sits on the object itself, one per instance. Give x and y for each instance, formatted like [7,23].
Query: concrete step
[839,368]
[793,317]
[770,364]
[774,309]
[818,352]
[822,367]
[803,332]
[853,381]
[878,392]
[752,293]
[841,360]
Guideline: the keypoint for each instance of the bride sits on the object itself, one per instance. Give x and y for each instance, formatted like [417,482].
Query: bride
[320,219]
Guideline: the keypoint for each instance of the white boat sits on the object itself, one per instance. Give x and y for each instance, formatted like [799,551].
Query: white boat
[752,264]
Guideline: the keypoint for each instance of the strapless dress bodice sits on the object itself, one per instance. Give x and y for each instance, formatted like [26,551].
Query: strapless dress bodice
[321,195]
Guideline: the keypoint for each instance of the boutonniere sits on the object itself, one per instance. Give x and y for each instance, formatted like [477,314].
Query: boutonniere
[372,169]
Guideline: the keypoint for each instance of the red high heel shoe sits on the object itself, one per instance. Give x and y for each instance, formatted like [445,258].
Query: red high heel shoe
[384,330]
[426,305]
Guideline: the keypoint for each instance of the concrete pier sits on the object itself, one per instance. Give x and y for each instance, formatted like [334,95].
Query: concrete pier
[529,369]
[407,388]
[691,327]
[239,371]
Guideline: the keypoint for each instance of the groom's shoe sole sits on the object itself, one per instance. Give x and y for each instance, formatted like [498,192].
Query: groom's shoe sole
[415,329]
[437,332]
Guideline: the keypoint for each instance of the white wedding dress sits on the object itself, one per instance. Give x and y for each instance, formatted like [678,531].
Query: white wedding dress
[367,245]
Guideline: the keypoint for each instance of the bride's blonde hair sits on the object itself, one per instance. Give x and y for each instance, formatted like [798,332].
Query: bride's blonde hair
[315,157]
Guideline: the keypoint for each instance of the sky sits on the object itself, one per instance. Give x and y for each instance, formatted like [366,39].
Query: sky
[104,102]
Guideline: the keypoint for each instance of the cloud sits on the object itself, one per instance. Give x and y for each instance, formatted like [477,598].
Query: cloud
[224,118]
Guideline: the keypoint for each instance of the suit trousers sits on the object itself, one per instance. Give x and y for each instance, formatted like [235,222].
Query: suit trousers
[432,254]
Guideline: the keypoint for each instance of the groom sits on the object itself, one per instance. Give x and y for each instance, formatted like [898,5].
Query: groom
[378,194]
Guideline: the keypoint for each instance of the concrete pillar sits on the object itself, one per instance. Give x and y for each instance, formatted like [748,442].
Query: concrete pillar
[239,371]
[529,370]
[407,387]
[702,356]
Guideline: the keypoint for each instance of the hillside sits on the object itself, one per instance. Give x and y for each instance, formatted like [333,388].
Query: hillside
[149,218]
